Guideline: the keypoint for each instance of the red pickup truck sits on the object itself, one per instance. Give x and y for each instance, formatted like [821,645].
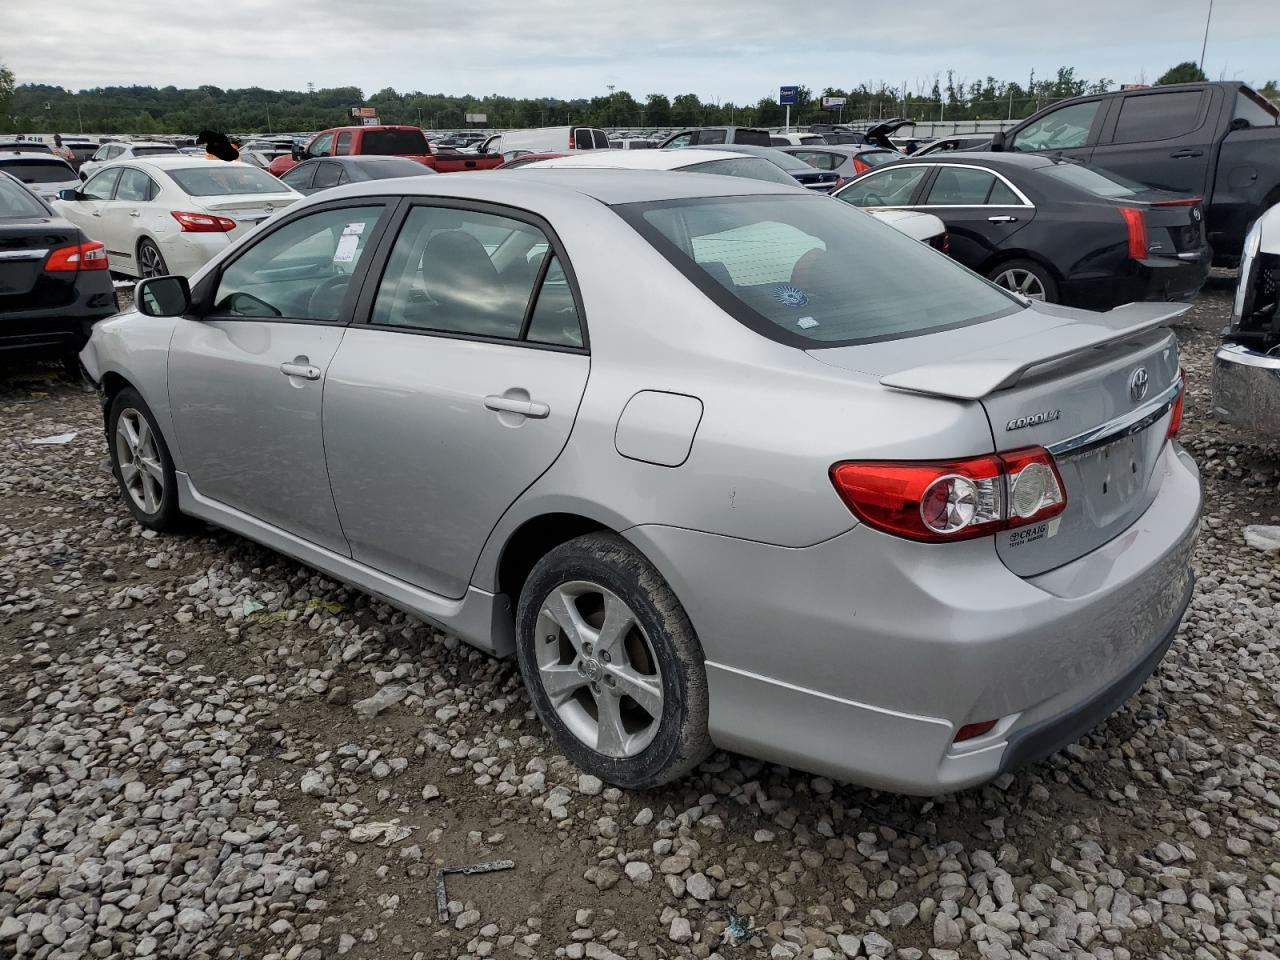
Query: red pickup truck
[386,141]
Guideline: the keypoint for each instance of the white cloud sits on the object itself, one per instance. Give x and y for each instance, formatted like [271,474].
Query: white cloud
[738,50]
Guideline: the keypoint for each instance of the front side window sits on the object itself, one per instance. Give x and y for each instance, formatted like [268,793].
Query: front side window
[1158,116]
[134,185]
[225,180]
[322,145]
[683,140]
[960,187]
[887,188]
[460,271]
[1062,129]
[100,186]
[812,273]
[300,271]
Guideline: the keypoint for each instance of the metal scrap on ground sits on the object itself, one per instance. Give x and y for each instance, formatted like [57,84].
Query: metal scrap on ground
[442,898]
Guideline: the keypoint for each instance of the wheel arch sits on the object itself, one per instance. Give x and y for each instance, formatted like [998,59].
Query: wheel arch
[1020,253]
[534,539]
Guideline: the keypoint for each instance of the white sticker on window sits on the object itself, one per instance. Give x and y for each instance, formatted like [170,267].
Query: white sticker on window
[353,229]
[346,249]
[805,323]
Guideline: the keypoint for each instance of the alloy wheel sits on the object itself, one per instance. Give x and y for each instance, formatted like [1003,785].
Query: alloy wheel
[598,669]
[150,261]
[1022,282]
[141,472]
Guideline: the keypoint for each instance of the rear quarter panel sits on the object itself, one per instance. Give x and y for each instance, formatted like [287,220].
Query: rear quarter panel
[1248,176]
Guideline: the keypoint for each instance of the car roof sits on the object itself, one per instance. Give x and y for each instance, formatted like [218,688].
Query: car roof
[146,143]
[541,186]
[846,149]
[29,155]
[636,160]
[1020,161]
[173,161]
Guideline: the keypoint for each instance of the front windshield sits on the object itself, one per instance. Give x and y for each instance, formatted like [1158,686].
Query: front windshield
[805,271]
[220,179]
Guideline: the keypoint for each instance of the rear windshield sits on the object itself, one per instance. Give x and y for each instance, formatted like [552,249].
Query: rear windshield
[35,147]
[17,201]
[52,170]
[805,271]
[395,143]
[153,151]
[873,158]
[753,168]
[780,158]
[226,180]
[1099,184]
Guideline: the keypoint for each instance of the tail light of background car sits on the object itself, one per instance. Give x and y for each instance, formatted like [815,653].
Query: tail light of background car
[945,501]
[860,166]
[78,256]
[942,242]
[1175,416]
[202,222]
[1137,226]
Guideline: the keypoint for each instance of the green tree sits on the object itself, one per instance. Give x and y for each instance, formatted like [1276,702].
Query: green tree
[1186,72]
[7,86]
[657,110]
[1271,90]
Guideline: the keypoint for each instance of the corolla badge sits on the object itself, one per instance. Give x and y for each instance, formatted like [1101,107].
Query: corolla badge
[1138,384]
[1033,420]
[790,296]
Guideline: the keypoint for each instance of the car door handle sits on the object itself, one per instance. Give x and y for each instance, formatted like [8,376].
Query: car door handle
[1186,154]
[1002,219]
[300,368]
[527,408]
[134,213]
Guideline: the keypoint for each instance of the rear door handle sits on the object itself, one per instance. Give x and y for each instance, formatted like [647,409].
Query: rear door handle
[1002,219]
[1186,154]
[134,213]
[527,408]
[300,368]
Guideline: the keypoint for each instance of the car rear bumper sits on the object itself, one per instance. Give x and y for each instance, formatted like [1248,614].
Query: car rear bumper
[61,327]
[861,657]
[1159,279]
[1246,388]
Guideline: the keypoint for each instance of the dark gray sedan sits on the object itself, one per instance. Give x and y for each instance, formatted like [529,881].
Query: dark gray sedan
[321,173]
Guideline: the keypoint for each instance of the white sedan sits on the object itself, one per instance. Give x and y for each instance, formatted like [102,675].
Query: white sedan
[924,227]
[119,151]
[171,215]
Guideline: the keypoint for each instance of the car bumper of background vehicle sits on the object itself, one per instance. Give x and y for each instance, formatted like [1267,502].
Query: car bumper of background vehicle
[861,657]
[1246,388]
[56,327]
[1157,279]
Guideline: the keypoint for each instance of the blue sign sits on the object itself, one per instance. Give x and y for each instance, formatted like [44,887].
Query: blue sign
[788,96]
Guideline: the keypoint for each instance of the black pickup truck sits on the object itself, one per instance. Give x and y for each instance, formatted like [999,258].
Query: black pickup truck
[1219,141]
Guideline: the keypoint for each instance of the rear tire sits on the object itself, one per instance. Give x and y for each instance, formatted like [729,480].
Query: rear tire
[150,260]
[627,634]
[1026,277]
[141,463]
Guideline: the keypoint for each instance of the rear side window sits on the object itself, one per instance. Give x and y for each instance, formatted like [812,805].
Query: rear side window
[960,187]
[711,136]
[555,315]
[1158,116]
[813,273]
[752,168]
[1251,108]
[344,145]
[582,139]
[134,185]
[601,139]
[328,175]
[753,138]
[39,171]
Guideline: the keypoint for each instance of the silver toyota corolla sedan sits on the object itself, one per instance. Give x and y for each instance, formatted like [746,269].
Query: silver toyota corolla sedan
[720,461]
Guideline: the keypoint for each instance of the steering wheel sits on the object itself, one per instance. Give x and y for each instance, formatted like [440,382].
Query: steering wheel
[327,288]
[875,200]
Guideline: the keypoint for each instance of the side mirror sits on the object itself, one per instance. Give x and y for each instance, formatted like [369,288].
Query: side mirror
[162,296]
[71,195]
[998,141]
[297,153]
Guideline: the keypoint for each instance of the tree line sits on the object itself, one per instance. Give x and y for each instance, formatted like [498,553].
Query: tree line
[40,108]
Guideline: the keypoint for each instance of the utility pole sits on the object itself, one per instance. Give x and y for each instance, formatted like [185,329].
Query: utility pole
[1205,45]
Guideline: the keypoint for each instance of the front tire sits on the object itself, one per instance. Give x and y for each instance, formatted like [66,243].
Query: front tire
[150,260]
[1027,278]
[141,463]
[612,663]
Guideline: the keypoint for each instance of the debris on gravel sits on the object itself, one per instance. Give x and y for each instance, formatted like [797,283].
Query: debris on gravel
[210,751]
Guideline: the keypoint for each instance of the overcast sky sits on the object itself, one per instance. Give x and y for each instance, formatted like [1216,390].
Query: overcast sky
[736,50]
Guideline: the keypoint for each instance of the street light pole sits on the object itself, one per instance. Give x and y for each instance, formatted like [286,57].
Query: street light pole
[1205,44]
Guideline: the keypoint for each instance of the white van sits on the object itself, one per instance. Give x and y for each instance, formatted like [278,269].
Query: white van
[547,140]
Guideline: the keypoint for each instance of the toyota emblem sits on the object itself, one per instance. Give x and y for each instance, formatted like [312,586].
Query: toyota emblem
[1138,384]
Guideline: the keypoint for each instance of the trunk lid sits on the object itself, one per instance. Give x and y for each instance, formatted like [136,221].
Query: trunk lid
[1175,225]
[247,210]
[1067,380]
[25,245]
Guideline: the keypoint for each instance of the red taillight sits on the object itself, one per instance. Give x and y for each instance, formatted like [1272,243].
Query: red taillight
[1137,225]
[971,730]
[1175,415]
[940,502]
[861,166]
[1180,202]
[202,222]
[78,256]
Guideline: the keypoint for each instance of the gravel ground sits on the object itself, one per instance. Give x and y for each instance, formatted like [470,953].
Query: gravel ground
[207,750]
